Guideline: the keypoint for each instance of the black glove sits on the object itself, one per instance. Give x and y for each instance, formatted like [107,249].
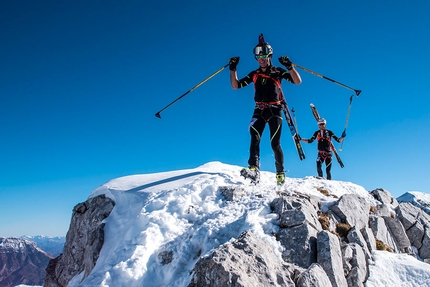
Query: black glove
[233,63]
[298,137]
[343,134]
[284,60]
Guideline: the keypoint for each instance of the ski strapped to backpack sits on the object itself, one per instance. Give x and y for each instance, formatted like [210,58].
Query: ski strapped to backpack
[293,130]
[317,117]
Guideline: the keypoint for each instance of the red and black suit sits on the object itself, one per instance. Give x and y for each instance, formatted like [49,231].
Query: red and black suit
[268,98]
[324,150]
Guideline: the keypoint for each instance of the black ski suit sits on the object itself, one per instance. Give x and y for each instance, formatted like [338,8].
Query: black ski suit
[268,97]
[324,150]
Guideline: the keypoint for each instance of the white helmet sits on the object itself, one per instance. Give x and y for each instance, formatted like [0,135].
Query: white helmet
[322,121]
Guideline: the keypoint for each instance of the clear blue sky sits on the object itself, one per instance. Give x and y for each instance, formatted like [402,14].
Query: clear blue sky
[80,82]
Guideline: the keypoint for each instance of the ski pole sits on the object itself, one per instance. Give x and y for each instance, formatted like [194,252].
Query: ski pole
[346,122]
[357,92]
[189,91]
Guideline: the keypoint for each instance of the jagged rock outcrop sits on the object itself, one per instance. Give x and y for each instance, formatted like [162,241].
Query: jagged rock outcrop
[84,241]
[21,262]
[338,259]
[417,225]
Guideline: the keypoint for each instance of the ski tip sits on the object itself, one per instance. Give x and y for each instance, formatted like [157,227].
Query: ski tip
[312,105]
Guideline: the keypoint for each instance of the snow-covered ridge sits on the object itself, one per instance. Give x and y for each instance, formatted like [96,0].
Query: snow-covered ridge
[183,211]
[15,245]
[158,182]
[419,199]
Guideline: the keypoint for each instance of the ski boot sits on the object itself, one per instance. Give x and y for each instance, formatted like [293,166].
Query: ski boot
[252,173]
[280,178]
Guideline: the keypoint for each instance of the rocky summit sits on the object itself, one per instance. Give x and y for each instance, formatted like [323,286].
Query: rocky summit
[207,227]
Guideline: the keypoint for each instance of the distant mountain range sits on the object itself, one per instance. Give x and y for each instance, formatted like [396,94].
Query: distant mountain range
[52,245]
[24,260]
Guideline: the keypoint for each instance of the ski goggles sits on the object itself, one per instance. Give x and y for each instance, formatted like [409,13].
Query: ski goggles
[262,51]
[261,56]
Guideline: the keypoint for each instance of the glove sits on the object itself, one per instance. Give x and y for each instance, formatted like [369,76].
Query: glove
[284,60]
[343,134]
[299,138]
[233,63]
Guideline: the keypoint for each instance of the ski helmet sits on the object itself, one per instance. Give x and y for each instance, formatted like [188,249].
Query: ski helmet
[263,48]
[322,121]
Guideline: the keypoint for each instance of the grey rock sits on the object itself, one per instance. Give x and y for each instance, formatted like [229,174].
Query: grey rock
[381,232]
[330,258]
[355,236]
[355,264]
[314,276]
[248,261]
[84,241]
[417,225]
[353,210]
[369,237]
[295,211]
[384,196]
[399,234]
[300,245]
[383,210]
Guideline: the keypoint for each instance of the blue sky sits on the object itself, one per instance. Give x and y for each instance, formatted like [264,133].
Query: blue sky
[80,82]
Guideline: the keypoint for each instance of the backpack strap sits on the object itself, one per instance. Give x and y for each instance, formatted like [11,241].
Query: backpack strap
[319,136]
[258,73]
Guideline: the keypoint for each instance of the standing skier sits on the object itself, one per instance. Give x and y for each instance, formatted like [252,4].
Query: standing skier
[324,146]
[268,98]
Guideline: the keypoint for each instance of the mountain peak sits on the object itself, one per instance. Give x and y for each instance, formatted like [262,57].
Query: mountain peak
[158,226]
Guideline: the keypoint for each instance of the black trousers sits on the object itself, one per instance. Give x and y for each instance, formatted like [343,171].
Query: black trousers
[271,116]
[320,161]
